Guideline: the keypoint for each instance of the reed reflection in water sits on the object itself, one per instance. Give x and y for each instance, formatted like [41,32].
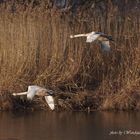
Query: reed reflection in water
[68,125]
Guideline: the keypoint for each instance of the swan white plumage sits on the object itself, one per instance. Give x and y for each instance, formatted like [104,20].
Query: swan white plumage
[39,91]
[100,38]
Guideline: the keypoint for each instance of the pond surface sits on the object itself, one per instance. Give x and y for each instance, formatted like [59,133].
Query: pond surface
[70,126]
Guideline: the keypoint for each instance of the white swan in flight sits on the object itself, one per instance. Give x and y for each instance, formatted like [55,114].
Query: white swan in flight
[39,91]
[99,37]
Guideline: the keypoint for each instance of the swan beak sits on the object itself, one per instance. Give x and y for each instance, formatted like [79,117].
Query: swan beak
[71,36]
[14,94]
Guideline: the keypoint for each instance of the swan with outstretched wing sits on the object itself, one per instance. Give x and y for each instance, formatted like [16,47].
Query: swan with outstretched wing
[39,91]
[98,37]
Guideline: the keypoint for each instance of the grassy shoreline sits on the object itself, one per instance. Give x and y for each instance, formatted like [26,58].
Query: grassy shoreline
[35,48]
[79,101]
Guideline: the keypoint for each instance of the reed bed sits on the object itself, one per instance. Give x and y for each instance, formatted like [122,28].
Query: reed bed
[35,48]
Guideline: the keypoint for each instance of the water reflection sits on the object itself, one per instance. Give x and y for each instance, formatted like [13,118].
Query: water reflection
[67,125]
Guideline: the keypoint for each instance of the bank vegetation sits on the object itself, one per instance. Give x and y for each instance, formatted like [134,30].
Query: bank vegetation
[35,48]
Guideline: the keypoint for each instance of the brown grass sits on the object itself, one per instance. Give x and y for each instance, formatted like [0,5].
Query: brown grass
[35,48]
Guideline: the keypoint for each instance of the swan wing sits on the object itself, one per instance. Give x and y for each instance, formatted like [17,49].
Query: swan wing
[32,90]
[92,37]
[105,46]
[50,101]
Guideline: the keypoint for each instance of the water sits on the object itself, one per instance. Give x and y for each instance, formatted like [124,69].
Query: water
[69,126]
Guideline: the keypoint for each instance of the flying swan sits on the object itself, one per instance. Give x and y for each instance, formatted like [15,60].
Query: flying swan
[98,37]
[39,91]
